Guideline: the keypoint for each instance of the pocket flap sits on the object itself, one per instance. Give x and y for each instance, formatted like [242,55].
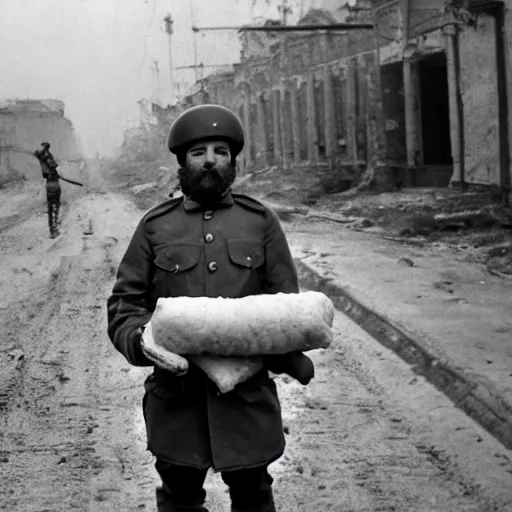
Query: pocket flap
[177,258]
[246,253]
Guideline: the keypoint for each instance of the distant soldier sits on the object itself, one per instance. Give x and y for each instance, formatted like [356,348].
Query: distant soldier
[53,190]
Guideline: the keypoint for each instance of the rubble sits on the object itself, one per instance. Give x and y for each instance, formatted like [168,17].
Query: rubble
[464,218]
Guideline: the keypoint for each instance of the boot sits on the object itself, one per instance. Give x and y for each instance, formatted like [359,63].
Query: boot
[266,505]
[250,490]
[166,503]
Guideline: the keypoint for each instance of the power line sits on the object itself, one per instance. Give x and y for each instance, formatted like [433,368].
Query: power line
[192,18]
[152,14]
[291,28]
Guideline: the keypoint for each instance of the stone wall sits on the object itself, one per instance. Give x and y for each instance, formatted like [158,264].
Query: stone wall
[312,98]
[480,98]
[23,126]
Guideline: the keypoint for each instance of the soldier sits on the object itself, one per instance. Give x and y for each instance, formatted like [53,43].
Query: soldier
[53,190]
[210,242]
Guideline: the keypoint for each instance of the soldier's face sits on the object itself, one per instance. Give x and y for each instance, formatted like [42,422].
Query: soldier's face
[208,172]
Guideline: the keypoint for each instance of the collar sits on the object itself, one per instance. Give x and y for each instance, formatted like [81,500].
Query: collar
[225,202]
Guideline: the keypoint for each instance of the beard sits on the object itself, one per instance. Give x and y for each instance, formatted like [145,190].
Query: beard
[206,185]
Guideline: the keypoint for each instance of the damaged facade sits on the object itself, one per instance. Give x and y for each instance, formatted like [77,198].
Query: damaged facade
[24,124]
[445,91]
[420,100]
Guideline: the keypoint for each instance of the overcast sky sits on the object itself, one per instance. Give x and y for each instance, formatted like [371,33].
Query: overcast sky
[97,55]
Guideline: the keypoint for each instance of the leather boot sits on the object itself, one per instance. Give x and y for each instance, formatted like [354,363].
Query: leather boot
[165,502]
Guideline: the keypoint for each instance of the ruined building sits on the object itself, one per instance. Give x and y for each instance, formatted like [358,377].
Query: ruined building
[24,124]
[419,99]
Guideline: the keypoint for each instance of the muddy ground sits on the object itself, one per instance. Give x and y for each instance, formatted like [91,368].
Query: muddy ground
[483,234]
[366,435]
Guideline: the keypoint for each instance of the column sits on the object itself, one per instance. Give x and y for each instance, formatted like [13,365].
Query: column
[295,121]
[311,120]
[329,116]
[276,117]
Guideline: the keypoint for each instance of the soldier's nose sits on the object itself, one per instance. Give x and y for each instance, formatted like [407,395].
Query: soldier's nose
[210,155]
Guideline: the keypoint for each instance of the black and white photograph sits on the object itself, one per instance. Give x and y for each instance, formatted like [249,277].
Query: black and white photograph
[256,255]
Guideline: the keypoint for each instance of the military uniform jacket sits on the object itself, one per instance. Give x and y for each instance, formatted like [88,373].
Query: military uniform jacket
[180,249]
[48,164]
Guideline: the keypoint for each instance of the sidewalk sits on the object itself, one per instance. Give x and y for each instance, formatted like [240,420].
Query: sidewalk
[449,319]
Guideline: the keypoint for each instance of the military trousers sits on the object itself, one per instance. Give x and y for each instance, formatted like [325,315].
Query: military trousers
[53,193]
[250,489]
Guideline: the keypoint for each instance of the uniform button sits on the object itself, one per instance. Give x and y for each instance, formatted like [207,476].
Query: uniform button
[208,214]
[209,237]
[213,266]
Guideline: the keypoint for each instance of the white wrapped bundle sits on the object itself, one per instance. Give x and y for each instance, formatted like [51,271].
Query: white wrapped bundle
[227,372]
[169,361]
[249,326]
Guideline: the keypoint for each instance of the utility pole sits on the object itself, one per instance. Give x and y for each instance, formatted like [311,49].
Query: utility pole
[191,6]
[156,74]
[284,10]
[168,29]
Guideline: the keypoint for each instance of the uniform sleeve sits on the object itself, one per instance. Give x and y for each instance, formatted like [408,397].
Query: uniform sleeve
[280,276]
[280,272]
[130,306]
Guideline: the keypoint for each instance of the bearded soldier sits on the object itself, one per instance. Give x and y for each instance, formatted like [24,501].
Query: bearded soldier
[53,190]
[211,242]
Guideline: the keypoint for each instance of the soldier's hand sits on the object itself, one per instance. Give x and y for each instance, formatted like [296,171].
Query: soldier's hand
[162,358]
[295,364]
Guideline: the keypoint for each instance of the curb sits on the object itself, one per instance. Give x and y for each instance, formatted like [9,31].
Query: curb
[479,401]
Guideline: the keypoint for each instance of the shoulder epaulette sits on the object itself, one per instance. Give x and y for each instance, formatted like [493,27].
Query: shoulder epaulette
[248,202]
[162,208]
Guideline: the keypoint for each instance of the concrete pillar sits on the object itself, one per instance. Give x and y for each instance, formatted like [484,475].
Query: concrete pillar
[247,127]
[412,105]
[295,121]
[262,131]
[455,104]
[351,111]
[284,136]
[376,136]
[329,117]
[276,117]
[312,129]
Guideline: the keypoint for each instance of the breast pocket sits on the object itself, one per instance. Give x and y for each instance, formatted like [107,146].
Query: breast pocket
[248,263]
[174,269]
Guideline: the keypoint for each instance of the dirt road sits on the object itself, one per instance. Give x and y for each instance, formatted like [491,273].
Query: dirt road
[366,435]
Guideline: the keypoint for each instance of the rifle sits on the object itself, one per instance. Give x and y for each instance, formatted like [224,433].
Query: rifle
[69,181]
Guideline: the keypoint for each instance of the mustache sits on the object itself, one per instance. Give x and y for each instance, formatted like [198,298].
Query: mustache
[208,167]
[211,170]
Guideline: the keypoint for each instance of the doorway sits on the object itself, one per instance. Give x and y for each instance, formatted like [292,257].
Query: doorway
[435,111]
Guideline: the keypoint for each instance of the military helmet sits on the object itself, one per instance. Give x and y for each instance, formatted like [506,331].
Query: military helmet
[204,122]
[46,144]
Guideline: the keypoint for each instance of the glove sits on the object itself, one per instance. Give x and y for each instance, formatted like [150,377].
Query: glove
[162,358]
[295,364]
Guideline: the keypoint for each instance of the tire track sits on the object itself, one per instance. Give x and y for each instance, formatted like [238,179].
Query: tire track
[49,451]
[349,449]
[28,335]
